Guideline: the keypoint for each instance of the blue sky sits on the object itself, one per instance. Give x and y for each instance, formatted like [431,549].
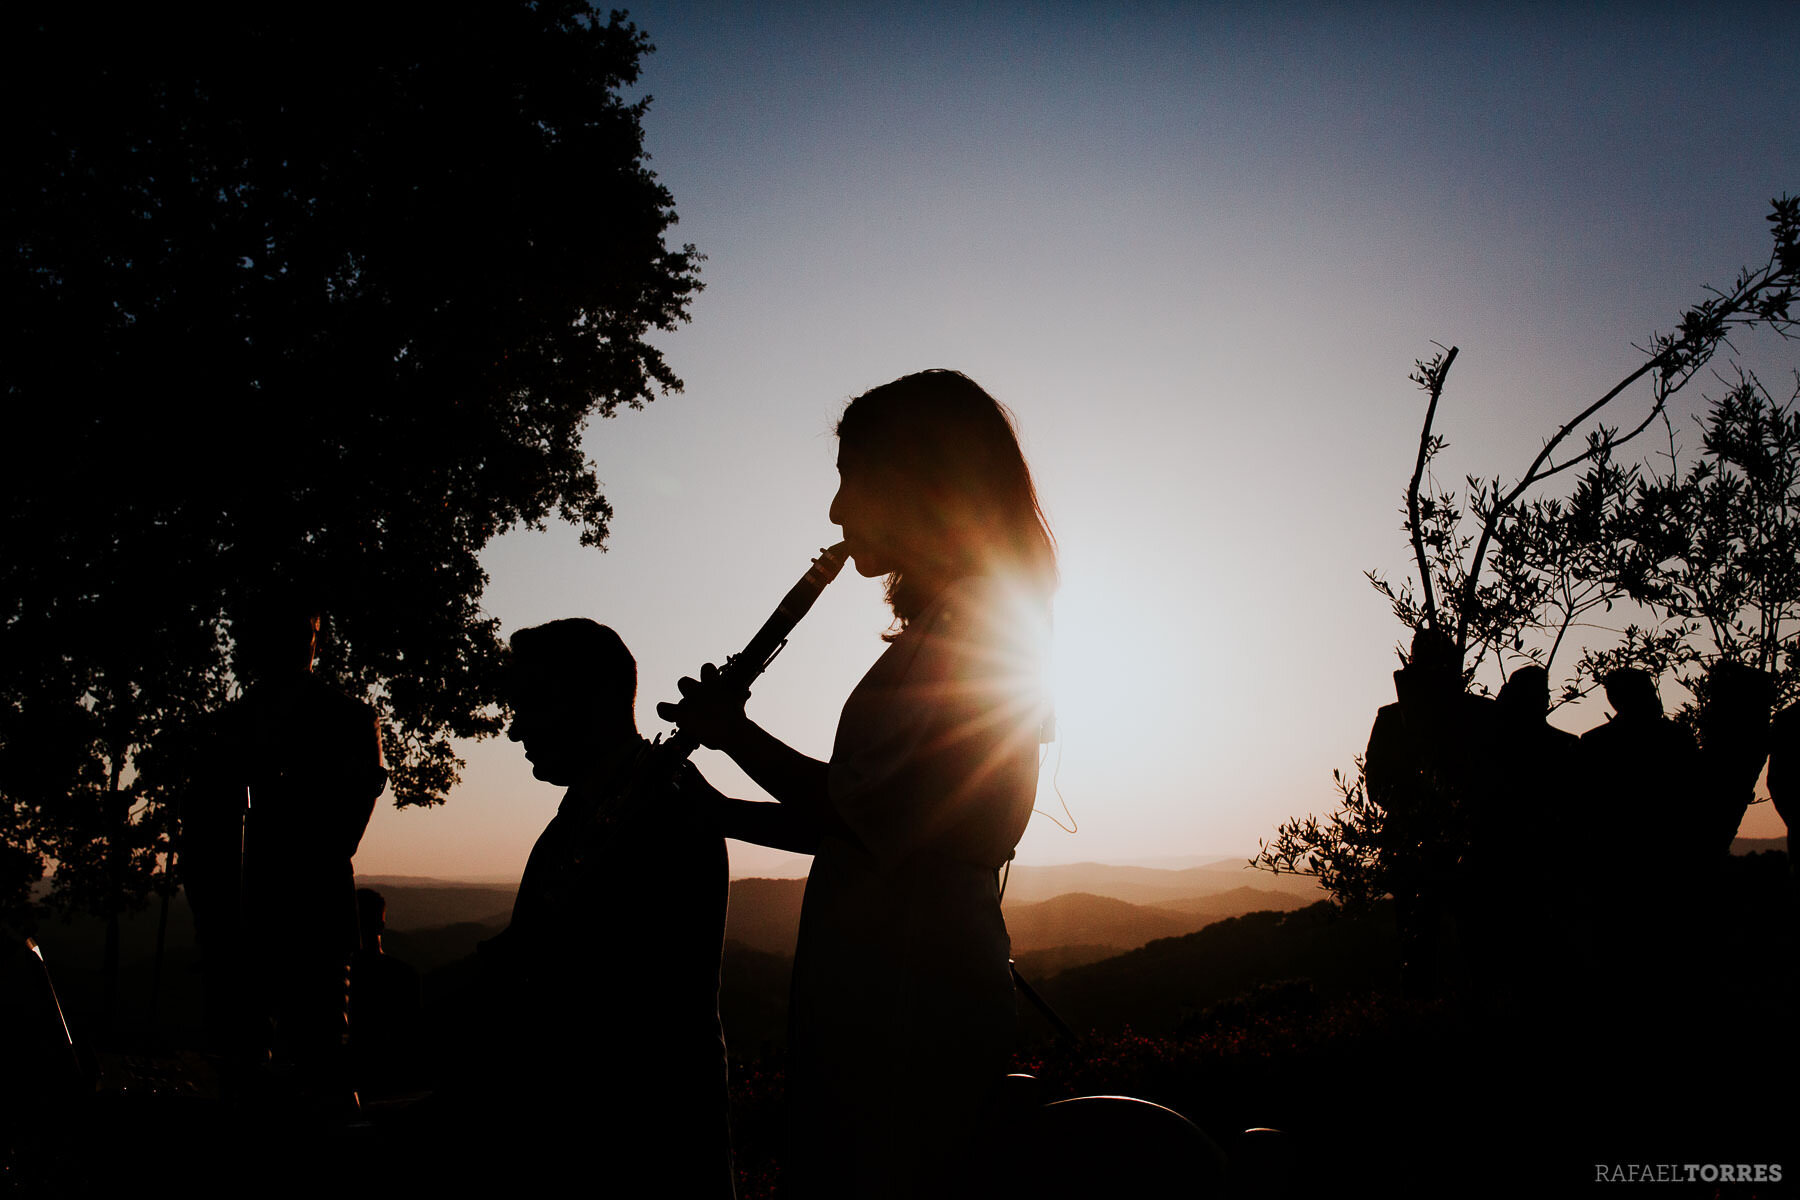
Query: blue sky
[1196,248]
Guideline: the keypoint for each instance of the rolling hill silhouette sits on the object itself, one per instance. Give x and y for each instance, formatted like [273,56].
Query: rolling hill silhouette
[1080,918]
[1148,885]
[1156,987]
[1132,945]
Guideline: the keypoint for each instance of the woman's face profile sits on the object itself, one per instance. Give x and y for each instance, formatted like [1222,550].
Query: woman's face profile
[864,509]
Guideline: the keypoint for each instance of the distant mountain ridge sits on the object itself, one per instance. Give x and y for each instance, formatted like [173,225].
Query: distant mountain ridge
[764,914]
[1148,885]
[1155,987]
[415,903]
[762,907]
[1084,919]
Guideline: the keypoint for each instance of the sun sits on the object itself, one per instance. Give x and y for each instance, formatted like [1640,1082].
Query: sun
[1142,686]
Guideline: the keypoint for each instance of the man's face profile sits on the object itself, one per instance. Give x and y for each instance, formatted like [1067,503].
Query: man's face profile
[554,731]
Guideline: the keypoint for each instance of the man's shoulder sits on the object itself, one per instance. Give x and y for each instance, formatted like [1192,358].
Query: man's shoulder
[330,699]
[1600,734]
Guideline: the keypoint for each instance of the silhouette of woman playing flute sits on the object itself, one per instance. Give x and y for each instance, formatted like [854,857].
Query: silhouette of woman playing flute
[902,1009]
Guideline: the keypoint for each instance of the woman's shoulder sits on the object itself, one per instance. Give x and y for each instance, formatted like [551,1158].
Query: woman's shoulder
[985,626]
[986,602]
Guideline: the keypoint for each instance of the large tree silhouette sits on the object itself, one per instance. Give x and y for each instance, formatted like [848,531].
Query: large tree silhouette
[316,298]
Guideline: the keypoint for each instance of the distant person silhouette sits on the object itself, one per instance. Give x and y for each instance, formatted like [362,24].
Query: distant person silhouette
[1511,881]
[384,1004]
[267,838]
[1734,732]
[601,1056]
[1427,769]
[902,1010]
[1640,772]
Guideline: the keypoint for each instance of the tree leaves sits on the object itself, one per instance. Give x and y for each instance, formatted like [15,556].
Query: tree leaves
[303,310]
[1534,568]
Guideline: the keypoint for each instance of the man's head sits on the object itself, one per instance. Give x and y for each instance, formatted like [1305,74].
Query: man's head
[1632,693]
[276,636]
[1525,697]
[1434,667]
[572,687]
[371,914]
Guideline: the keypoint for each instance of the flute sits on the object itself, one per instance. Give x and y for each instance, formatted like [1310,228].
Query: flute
[659,762]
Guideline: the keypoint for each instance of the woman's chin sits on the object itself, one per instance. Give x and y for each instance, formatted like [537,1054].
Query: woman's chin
[867,563]
[871,563]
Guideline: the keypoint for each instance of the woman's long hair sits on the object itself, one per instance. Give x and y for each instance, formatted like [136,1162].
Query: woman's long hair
[952,454]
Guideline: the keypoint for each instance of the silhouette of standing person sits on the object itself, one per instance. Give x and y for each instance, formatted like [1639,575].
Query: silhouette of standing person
[1640,769]
[1510,881]
[1424,770]
[268,836]
[902,1011]
[601,1052]
[1734,743]
[1640,772]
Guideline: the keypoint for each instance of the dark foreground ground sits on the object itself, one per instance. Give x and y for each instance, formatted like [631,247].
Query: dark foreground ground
[1677,1064]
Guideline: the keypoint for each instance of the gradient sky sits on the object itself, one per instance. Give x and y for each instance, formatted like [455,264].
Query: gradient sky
[1196,248]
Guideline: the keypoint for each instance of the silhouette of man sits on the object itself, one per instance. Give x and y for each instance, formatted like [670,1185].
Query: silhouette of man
[607,1052]
[1639,768]
[1510,883]
[1639,772]
[268,836]
[1734,742]
[1424,770]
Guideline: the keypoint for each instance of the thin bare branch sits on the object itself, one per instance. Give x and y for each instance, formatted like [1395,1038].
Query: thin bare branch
[1433,380]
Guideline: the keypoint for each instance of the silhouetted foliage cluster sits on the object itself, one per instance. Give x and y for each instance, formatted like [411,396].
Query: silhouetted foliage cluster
[1715,552]
[1343,852]
[1710,557]
[1503,571]
[314,302]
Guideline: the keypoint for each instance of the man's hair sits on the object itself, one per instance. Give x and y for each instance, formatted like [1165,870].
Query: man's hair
[1432,649]
[268,628]
[1526,692]
[371,909]
[578,662]
[1632,692]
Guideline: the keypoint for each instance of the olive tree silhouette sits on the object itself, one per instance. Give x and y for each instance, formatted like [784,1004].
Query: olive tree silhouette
[1715,551]
[321,300]
[1532,566]
[1503,569]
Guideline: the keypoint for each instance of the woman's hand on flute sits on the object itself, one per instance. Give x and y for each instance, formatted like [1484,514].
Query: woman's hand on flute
[710,710]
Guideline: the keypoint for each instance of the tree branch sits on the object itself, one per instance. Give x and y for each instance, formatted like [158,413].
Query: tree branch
[1432,379]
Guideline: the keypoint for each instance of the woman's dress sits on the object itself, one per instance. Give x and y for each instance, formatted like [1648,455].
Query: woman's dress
[902,1012]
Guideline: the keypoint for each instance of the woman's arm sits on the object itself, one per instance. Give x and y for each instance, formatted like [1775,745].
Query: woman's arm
[713,714]
[778,769]
[781,826]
